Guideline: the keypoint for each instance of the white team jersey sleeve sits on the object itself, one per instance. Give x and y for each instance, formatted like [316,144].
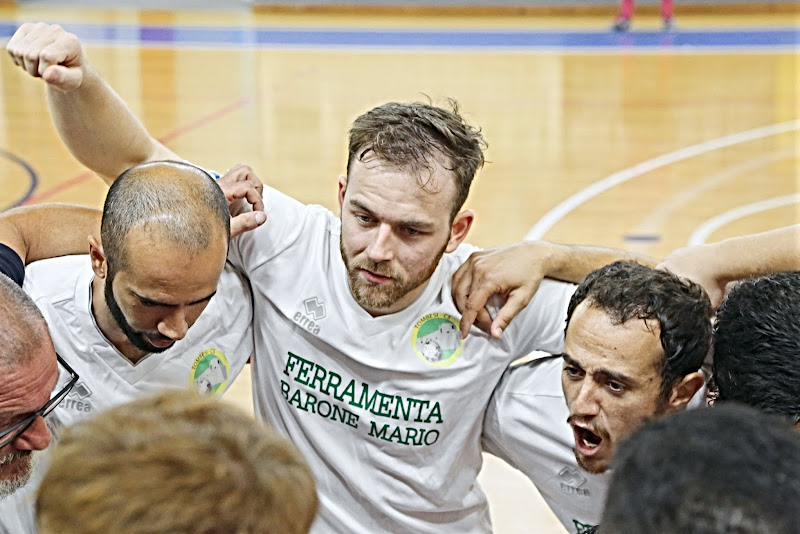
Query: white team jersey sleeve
[286,221]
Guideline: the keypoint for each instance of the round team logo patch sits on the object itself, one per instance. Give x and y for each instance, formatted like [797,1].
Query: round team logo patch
[210,373]
[436,339]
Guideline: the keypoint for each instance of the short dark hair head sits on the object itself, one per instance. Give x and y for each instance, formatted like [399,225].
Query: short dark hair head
[414,135]
[176,201]
[757,345]
[22,327]
[728,469]
[627,290]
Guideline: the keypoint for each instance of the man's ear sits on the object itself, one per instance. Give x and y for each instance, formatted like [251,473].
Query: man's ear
[684,390]
[342,189]
[98,257]
[461,225]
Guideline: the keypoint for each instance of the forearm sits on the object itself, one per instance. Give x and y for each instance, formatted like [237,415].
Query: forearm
[100,130]
[49,230]
[753,255]
[571,263]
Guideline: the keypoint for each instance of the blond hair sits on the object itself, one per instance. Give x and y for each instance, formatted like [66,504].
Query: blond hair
[177,463]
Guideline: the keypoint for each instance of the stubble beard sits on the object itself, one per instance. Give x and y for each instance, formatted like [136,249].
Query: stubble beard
[381,296]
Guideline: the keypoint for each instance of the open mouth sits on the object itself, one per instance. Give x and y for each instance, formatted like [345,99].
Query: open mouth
[586,440]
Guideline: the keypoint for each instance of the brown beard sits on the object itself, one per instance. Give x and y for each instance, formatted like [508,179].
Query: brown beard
[374,296]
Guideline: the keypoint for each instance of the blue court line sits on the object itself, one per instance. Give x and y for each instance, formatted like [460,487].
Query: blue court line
[33,180]
[234,36]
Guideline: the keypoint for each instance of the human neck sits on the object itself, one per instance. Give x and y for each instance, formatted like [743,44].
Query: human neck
[109,327]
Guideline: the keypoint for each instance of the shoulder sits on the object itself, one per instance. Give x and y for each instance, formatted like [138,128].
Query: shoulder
[52,276]
[453,260]
[232,282]
[540,377]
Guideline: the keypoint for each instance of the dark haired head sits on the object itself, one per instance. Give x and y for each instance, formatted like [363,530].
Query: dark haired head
[175,201]
[413,136]
[626,290]
[722,470]
[757,345]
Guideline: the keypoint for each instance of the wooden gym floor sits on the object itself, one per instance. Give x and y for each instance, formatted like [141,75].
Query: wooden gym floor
[646,141]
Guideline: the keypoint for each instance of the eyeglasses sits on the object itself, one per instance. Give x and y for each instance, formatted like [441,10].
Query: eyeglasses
[10,434]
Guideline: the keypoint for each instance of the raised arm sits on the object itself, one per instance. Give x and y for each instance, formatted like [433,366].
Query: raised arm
[92,120]
[49,230]
[714,265]
[514,272]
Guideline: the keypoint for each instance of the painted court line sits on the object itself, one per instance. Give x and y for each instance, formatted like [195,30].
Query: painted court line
[700,235]
[552,217]
[33,179]
[428,38]
[655,222]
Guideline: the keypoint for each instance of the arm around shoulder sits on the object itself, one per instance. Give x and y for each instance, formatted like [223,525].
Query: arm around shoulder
[516,271]
[714,265]
[48,230]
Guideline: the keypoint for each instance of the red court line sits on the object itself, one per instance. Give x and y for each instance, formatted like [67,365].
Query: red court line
[174,134]
[202,121]
[62,186]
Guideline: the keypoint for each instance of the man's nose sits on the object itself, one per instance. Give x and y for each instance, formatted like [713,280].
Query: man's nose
[35,438]
[174,326]
[380,249]
[586,403]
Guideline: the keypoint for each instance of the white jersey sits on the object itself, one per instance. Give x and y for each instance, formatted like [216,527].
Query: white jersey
[526,425]
[387,410]
[212,354]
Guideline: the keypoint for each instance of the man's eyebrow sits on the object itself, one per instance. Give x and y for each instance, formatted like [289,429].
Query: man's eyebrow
[617,377]
[606,374]
[420,225]
[153,302]
[359,205]
[570,361]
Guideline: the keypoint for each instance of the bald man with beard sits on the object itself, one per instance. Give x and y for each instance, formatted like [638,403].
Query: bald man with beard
[122,316]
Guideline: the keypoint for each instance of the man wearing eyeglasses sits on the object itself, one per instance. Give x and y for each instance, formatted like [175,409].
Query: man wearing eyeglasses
[32,382]
[29,373]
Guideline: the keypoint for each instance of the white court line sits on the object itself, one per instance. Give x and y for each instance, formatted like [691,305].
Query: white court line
[700,235]
[658,218]
[564,208]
